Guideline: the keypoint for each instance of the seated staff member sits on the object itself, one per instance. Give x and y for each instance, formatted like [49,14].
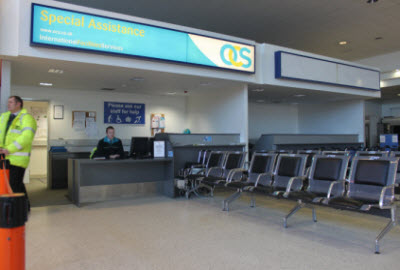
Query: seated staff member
[109,147]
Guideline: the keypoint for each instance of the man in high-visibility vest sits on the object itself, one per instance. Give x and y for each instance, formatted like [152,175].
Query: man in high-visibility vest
[17,130]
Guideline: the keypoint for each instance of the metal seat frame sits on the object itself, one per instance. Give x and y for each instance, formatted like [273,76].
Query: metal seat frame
[386,196]
[268,173]
[315,185]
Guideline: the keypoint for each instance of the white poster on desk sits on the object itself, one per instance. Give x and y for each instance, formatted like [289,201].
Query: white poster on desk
[159,149]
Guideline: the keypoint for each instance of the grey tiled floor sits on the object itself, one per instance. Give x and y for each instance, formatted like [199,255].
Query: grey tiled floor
[162,233]
[39,195]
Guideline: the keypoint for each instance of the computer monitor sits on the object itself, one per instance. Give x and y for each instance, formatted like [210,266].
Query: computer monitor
[140,147]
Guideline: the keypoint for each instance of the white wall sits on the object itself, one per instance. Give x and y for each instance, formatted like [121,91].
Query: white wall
[272,118]
[391,109]
[219,111]
[373,112]
[174,109]
[9,25]
[332,118]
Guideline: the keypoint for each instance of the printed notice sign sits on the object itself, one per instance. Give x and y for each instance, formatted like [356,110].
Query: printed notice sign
[159,149]
[124,113]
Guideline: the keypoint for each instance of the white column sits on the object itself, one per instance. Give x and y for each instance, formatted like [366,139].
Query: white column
[244,134]
[5,89]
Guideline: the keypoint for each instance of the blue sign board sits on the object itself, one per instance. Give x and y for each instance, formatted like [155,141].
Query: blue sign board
[124,113]
[57,27]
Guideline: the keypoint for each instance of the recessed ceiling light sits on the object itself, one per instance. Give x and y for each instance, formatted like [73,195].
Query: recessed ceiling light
[45,84]
[171,93]
[257,90]
[137,79]
[260,100]
[299,95]
[398,95]
[123,85]
[342,42]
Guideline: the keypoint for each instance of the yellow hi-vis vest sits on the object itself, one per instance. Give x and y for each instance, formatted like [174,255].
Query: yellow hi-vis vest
[19,137]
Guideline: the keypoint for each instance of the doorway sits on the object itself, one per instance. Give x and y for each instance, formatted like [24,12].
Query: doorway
[36,175]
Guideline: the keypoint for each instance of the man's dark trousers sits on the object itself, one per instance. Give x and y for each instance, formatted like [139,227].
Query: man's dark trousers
[17,181]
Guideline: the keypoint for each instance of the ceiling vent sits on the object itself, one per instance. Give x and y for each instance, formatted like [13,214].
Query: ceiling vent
[107,89]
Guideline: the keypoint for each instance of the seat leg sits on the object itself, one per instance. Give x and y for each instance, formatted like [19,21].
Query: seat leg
[314,214]
[211,191]
[292,212]
[389,226]
[253,200]
[194,190]
[230,199]
[188,192]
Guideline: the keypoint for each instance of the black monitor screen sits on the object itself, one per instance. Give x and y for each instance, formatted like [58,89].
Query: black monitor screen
[139,147]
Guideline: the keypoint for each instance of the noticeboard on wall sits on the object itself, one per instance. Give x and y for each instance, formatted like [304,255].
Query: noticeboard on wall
[124,113]
[157,123]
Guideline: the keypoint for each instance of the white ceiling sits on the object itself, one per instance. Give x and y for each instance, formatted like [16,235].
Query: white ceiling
[391,93]
[28,71]
[309,25]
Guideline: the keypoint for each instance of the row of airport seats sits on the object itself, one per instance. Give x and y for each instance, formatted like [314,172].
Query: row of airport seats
[369,184]
[215,171]
[350,153]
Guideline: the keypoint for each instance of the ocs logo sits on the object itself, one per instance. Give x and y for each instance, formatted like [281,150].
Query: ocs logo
[237,56]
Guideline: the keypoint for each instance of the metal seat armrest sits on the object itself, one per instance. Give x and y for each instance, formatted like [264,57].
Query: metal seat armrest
[234,172]
[293,180]
[382,202]
[197,166]
[271,174]
[200,172]
[338,182]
